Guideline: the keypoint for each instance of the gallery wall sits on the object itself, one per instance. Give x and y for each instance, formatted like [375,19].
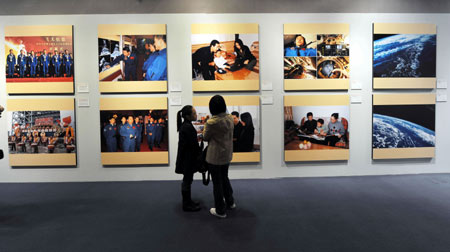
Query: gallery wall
[272,163]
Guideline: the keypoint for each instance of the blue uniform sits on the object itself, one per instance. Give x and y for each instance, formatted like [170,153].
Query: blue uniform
[22,61]
[67,64]
[45,61]
[32,61]
[138,136]
[150,129]
[159,133]
[128,132]
[130,65]
[302,52]
[56,61]
[148,63]
[157,69]
[11,62]
[110,134]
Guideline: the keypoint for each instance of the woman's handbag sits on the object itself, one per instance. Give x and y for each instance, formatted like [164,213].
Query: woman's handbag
[203,165]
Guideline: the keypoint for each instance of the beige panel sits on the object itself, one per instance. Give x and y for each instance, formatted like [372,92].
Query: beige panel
[54,159]
[394,28]
[229,100]
[399,153]
[40,104]
[135,158]
[224,28]
[316,100]
[318,84]
[404,83]
[224,85]
[131,29]
[246,157]
[316,155]
[324,28]
[132,86]
[110,37]
[403,99]
[38,30]
[39,88]
[108,72]
[137,103]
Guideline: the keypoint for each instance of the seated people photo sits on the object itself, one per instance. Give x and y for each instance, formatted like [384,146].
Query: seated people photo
[336,130]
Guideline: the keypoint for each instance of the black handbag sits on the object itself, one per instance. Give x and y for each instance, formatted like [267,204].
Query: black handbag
[203,165]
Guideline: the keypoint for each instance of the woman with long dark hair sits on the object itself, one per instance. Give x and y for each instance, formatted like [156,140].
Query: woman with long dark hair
[247,135]
[244,57]
[188,151]
[218,132]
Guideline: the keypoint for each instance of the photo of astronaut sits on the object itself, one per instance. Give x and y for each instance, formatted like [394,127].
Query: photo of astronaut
[39,59]
[225,57]
[134,130]
[132,58]
[246,135]
[404,55]
[316,56]
[41,132]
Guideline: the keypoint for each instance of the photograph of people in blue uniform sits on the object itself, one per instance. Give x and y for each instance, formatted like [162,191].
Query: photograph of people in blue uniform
[316,56]
[246,134]
[225,57]
[134,130]
[133,58]
[41,132]
[316,127]
[38,58]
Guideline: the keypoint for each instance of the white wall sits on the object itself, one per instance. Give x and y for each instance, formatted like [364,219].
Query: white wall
[271,67]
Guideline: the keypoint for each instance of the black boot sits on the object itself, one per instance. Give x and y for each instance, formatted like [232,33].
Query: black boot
[188,205]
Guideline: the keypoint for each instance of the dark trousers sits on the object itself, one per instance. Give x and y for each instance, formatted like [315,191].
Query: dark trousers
[186,188]
[332,140]
[221,187]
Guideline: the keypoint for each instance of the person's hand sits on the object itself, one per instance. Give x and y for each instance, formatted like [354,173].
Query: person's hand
[108,66]
[143,75]
[339,135]
[316,131]
[131,136]
[246,62]
[211,63]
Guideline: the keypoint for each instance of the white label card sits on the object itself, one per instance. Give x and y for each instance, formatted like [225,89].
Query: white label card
[267,99]
[441,84]
[441,95]
[175,100]
[83,102]
[356,99]
[175,86]
[82,88]
[267,86]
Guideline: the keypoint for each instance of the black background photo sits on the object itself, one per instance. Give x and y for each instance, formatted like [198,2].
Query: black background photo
[423,115]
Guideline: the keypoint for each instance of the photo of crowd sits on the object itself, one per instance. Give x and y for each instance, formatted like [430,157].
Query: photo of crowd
[316,127]
[39,59]
[133,58]
[225,57]
[316,56]
[246,134]
[41,132]
[134,130]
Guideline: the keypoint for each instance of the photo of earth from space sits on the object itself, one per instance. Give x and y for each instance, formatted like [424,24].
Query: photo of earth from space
[404,55]
[391,132]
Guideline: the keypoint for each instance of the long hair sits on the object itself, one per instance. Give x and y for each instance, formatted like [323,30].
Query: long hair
[247,119]
[241,44]
[217,105]
[183,113]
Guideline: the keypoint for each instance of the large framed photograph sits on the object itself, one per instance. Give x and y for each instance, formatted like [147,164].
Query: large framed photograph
[41,132]
[132,58]
[404,56]
[316,57]
[225,57]
[134,131]
[403,126]
[247,125]
[316,127]
[39,59]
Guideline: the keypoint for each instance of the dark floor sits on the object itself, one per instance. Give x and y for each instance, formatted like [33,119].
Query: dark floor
[384,213]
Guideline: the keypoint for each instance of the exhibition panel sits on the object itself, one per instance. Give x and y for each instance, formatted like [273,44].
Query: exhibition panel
[403,126]
[247,125]
[132,58]
[41,132]
[134,131]
[316,127]
[316,56]
[225,57]
[39,59]
[404,56]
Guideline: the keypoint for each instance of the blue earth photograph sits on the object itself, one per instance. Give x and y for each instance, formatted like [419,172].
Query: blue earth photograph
[403,126]
[404,55]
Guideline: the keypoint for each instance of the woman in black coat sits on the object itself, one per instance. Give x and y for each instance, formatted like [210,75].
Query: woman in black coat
[188,152]
[247,136]
[244,58]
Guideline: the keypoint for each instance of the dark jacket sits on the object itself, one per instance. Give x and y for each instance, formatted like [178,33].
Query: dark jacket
[246,139]
[244,55]
[188,149]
